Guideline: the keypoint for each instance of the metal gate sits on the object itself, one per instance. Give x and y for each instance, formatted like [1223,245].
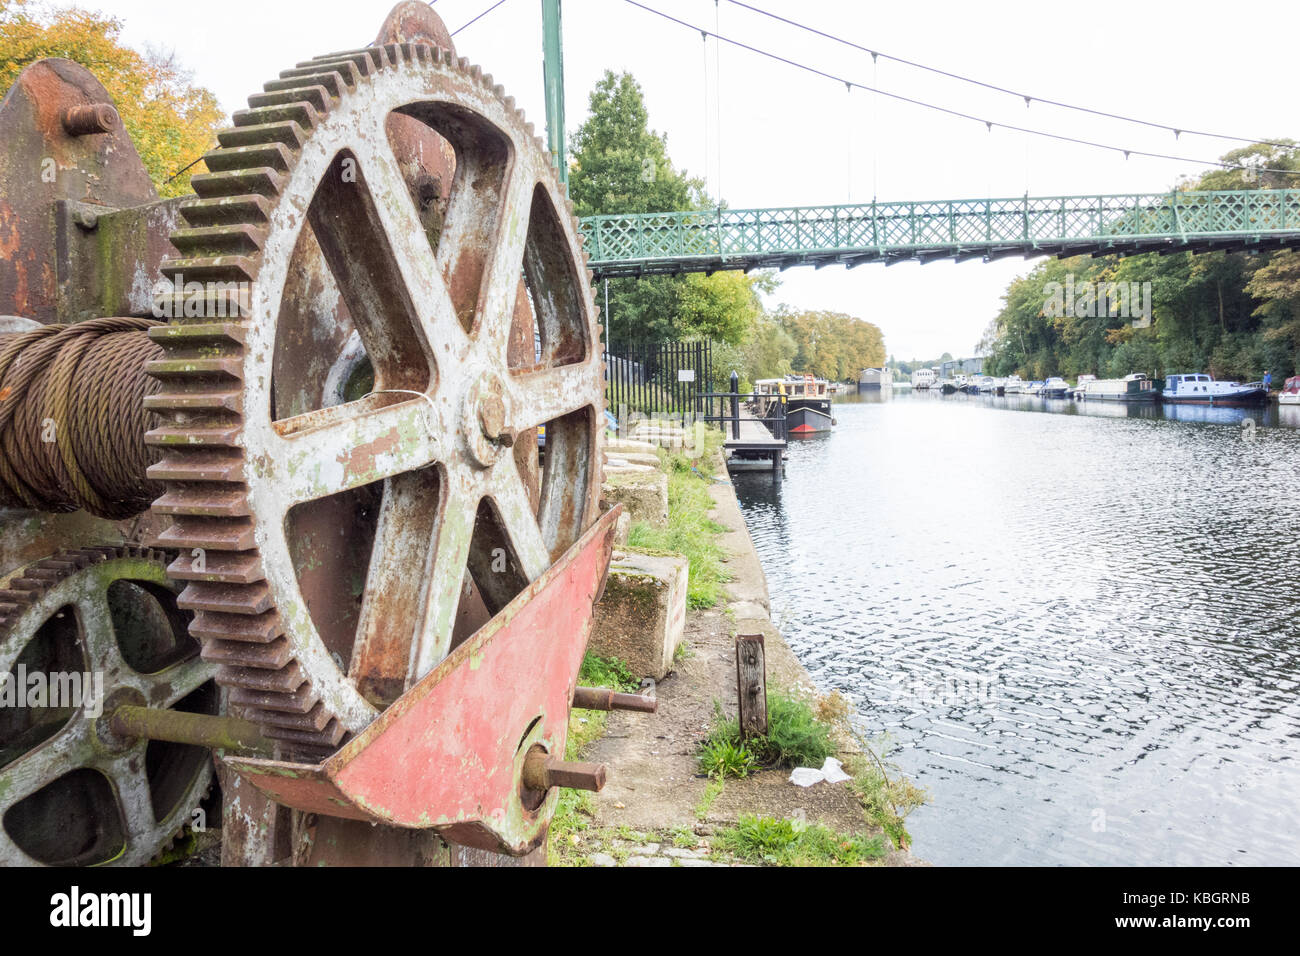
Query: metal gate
[658,376]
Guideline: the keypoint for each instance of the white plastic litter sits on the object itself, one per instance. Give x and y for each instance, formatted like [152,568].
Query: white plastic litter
[832,771]
[806,776]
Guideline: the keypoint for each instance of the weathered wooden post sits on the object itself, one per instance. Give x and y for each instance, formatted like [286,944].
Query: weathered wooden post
[751,684]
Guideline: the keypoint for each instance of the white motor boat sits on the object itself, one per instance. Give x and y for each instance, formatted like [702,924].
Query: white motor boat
[1204,390]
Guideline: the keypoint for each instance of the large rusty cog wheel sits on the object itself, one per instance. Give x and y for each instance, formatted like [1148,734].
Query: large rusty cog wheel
[71,791]
[439,454]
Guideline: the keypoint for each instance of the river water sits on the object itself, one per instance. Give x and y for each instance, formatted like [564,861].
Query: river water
[1079,624]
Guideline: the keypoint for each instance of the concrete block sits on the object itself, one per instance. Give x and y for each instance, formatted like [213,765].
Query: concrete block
[642,617]
[617,446]
[644,495]
[631,458]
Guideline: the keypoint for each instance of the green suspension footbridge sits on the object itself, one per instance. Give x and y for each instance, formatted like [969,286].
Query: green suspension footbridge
[924,231]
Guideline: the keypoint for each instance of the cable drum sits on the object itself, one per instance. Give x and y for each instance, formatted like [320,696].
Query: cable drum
[72,417]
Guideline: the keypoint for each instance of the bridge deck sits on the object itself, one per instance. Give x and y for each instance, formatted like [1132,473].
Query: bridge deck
[712,240]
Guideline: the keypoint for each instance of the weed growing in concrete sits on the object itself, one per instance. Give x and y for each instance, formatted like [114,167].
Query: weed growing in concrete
[726,758]
[886,800]
[610,672]
[712,790]
[794,738]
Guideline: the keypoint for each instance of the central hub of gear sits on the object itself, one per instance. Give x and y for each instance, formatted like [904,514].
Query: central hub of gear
[485,415]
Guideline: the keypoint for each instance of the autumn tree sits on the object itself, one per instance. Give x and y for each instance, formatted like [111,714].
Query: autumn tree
[171,121]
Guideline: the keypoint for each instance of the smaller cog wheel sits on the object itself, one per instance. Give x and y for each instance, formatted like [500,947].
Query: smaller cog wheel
[81,633]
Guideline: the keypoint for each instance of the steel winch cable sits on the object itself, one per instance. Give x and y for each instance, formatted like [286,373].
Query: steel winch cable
[72,417]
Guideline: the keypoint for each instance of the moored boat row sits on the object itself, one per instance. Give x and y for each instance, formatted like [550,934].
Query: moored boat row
[1199,389]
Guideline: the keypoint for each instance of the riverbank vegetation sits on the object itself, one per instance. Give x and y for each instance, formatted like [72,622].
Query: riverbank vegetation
[689,530]
[1231,314]
[794,738]
[777,841]
[801,735]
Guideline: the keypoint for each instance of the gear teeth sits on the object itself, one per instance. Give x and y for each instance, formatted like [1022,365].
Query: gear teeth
[312,721]
[331,83]
[261,181]
[182,436]
[210,534]
[224,210]
[198,400]
[252,629]
[288,134]
[286,680]
[271,656]
[325,741]
[219,241]
[198,466]
[251,599]
[272,155]
[191,368]
[299,701]
[318,97]
[304,114]
[220,501]
[220,566]
[360,62]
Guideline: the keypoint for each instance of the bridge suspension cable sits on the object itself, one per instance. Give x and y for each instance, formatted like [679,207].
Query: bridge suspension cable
[991,124]
[1028,98]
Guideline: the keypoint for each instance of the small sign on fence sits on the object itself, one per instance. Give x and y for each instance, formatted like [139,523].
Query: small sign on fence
[686,375]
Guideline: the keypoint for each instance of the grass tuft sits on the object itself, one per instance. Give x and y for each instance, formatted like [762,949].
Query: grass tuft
[597,671]
[795,738]
[759,839]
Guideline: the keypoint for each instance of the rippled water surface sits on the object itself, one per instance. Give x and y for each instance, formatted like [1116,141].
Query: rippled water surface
[1080,626]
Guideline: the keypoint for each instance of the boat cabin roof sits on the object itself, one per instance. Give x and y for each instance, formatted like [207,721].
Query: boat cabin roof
[1189,378]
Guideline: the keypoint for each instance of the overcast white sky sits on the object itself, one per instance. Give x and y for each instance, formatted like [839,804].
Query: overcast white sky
[783,137]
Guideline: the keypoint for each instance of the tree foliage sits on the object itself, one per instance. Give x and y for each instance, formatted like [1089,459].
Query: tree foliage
[1231,314]
[621,166]
[171,121]
[833,345]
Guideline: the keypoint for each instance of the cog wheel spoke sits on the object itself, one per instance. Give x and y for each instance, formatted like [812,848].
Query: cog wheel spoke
[448,559]
[103,653]
[134,798]
[539,397]
[346,446]
[433,307]
[514,505]
[170,686]
[68,750]
[501,288]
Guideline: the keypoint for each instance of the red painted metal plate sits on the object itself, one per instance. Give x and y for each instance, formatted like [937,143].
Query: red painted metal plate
[448,754]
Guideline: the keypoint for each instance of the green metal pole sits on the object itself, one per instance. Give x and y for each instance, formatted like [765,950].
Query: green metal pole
[553,80]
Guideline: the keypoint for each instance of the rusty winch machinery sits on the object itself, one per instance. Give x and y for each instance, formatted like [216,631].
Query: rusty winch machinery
[300,474]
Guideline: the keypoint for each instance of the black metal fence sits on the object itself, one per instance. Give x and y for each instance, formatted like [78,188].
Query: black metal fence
[658,376]
[723,408]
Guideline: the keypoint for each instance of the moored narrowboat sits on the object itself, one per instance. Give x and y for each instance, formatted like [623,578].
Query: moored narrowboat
[1131,388]
[807,402]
